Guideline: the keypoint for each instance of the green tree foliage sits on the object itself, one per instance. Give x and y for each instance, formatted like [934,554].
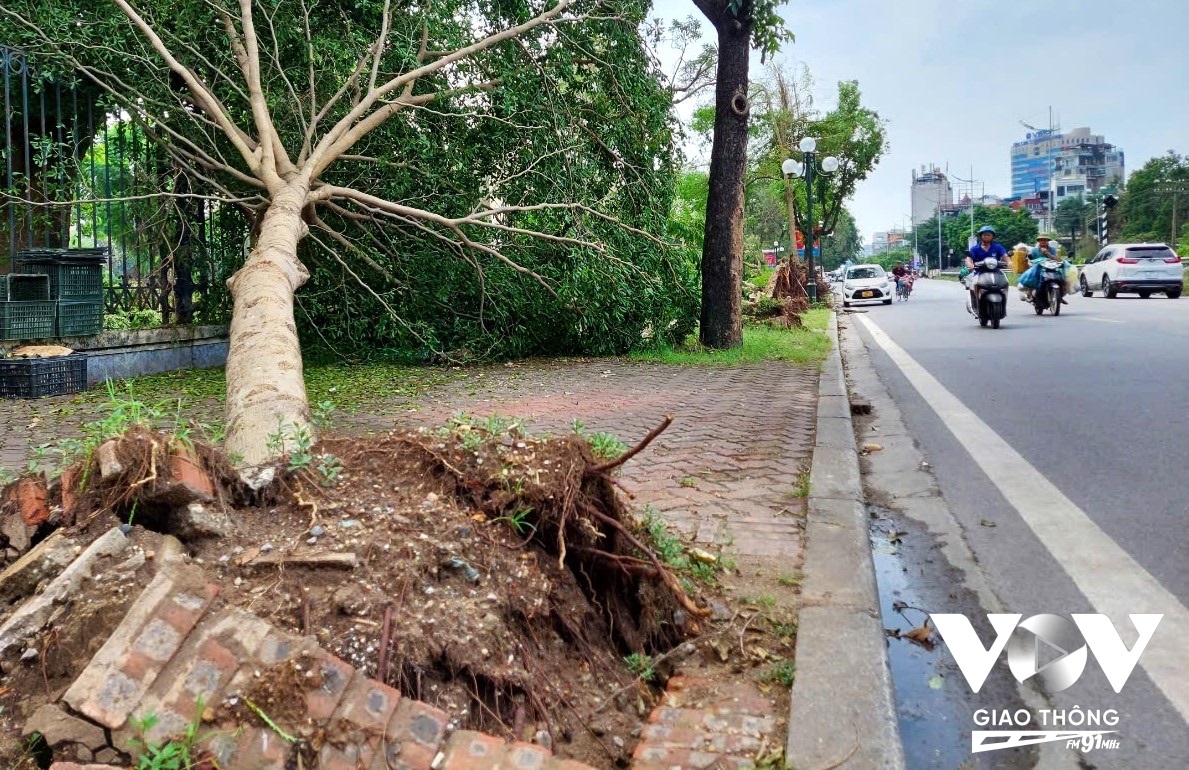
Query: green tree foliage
[1145,210]
[851,132]
[844,243]
[892,257]
[566,129]
[1012,226]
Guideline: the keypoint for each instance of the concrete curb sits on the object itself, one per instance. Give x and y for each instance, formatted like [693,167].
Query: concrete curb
[843,711]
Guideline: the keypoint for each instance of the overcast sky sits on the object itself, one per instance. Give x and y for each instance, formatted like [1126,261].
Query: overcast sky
[953,80]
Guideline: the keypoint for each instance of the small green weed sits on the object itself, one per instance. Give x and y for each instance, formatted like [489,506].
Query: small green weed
[763,601]
[301,455]
[320,414]
[518,520]
[781,673]
[785,630]
[790,580]
[606,446]
[688,482]
[801,490]
[641,665]
[174,755]
[671,551]
[37,459]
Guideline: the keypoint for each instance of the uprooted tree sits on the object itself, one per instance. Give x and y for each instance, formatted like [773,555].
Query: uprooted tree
[344,125]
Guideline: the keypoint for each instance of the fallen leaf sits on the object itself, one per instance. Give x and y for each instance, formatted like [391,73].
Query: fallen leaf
[936,682]
[988,523]
[896,536]
[248,556]
[872,448]
[723,648]
[703,556]
[922,634]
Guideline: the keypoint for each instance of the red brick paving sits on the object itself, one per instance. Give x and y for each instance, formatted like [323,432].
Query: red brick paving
[723,473]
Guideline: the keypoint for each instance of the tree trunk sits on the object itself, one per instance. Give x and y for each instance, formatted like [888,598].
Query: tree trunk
[722,249]
[265,389]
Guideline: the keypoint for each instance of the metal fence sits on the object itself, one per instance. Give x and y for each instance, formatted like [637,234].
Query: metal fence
[77,172]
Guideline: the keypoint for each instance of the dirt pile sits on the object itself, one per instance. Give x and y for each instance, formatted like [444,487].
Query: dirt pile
[498,576]
[790,290]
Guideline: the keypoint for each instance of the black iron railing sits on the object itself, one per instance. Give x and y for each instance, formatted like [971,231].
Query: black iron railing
[77,172]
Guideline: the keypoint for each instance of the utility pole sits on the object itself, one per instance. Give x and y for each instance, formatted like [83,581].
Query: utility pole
[1173,241]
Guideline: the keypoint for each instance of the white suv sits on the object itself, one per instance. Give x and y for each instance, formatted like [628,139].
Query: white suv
[1135,268]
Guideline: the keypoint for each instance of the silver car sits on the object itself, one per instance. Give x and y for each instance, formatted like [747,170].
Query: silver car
[1133,268]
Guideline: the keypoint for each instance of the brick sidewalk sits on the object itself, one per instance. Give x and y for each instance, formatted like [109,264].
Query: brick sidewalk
[724,473]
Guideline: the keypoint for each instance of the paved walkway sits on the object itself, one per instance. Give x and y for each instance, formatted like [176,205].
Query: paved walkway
[724,473]
[726,470]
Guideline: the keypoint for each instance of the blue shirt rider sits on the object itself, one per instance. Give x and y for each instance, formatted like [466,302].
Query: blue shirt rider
[986,247]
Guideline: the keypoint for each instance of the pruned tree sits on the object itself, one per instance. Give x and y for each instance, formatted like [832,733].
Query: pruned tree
[851,132]
[739,25]
[290,109]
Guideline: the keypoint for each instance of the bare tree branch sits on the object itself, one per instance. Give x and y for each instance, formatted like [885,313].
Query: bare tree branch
[207,101]
[353,126]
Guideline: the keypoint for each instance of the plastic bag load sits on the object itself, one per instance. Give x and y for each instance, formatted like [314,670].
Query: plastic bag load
[1030,278]
[1071,279]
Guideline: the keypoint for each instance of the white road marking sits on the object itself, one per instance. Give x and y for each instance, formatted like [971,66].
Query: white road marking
[1100,320]
[1114,583]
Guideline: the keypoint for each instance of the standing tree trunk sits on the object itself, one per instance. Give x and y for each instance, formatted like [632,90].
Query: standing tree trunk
[722,249]
[265,390]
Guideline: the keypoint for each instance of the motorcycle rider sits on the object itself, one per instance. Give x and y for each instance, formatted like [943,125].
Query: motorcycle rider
[1045,250]
[899,272]
[985,247]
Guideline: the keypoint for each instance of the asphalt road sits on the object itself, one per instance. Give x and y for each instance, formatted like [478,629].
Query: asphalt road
[1095,402]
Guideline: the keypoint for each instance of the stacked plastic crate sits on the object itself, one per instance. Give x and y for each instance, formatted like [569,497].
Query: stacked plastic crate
[26,310]
[75,285]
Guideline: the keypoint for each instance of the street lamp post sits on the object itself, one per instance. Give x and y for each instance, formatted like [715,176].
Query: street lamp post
[792,168]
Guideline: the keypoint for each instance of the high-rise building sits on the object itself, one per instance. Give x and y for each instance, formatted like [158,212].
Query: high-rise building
[1072,163]
[931,190]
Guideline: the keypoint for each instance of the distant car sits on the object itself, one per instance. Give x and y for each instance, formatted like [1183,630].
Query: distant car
[1133,268]
[867,283]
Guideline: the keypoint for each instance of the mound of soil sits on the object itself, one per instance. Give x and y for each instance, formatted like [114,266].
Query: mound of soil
[497,576]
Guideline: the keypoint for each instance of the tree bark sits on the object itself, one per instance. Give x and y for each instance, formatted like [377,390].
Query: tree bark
[722,250]
[265,389]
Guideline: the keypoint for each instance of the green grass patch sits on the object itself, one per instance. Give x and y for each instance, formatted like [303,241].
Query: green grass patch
[348,387]
[760,343]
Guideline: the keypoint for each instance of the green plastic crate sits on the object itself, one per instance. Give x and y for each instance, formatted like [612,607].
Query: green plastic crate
[16,287]
[27,320]
[73,282]
[79,319]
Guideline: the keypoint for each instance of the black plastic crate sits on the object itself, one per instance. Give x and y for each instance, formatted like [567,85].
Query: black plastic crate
[16,287]
[79,319]
[37,377]
[27,320]
[68,281]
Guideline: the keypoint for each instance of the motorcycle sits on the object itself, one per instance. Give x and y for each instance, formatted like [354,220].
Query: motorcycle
[904,287]
[1050,288]
[992,300]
